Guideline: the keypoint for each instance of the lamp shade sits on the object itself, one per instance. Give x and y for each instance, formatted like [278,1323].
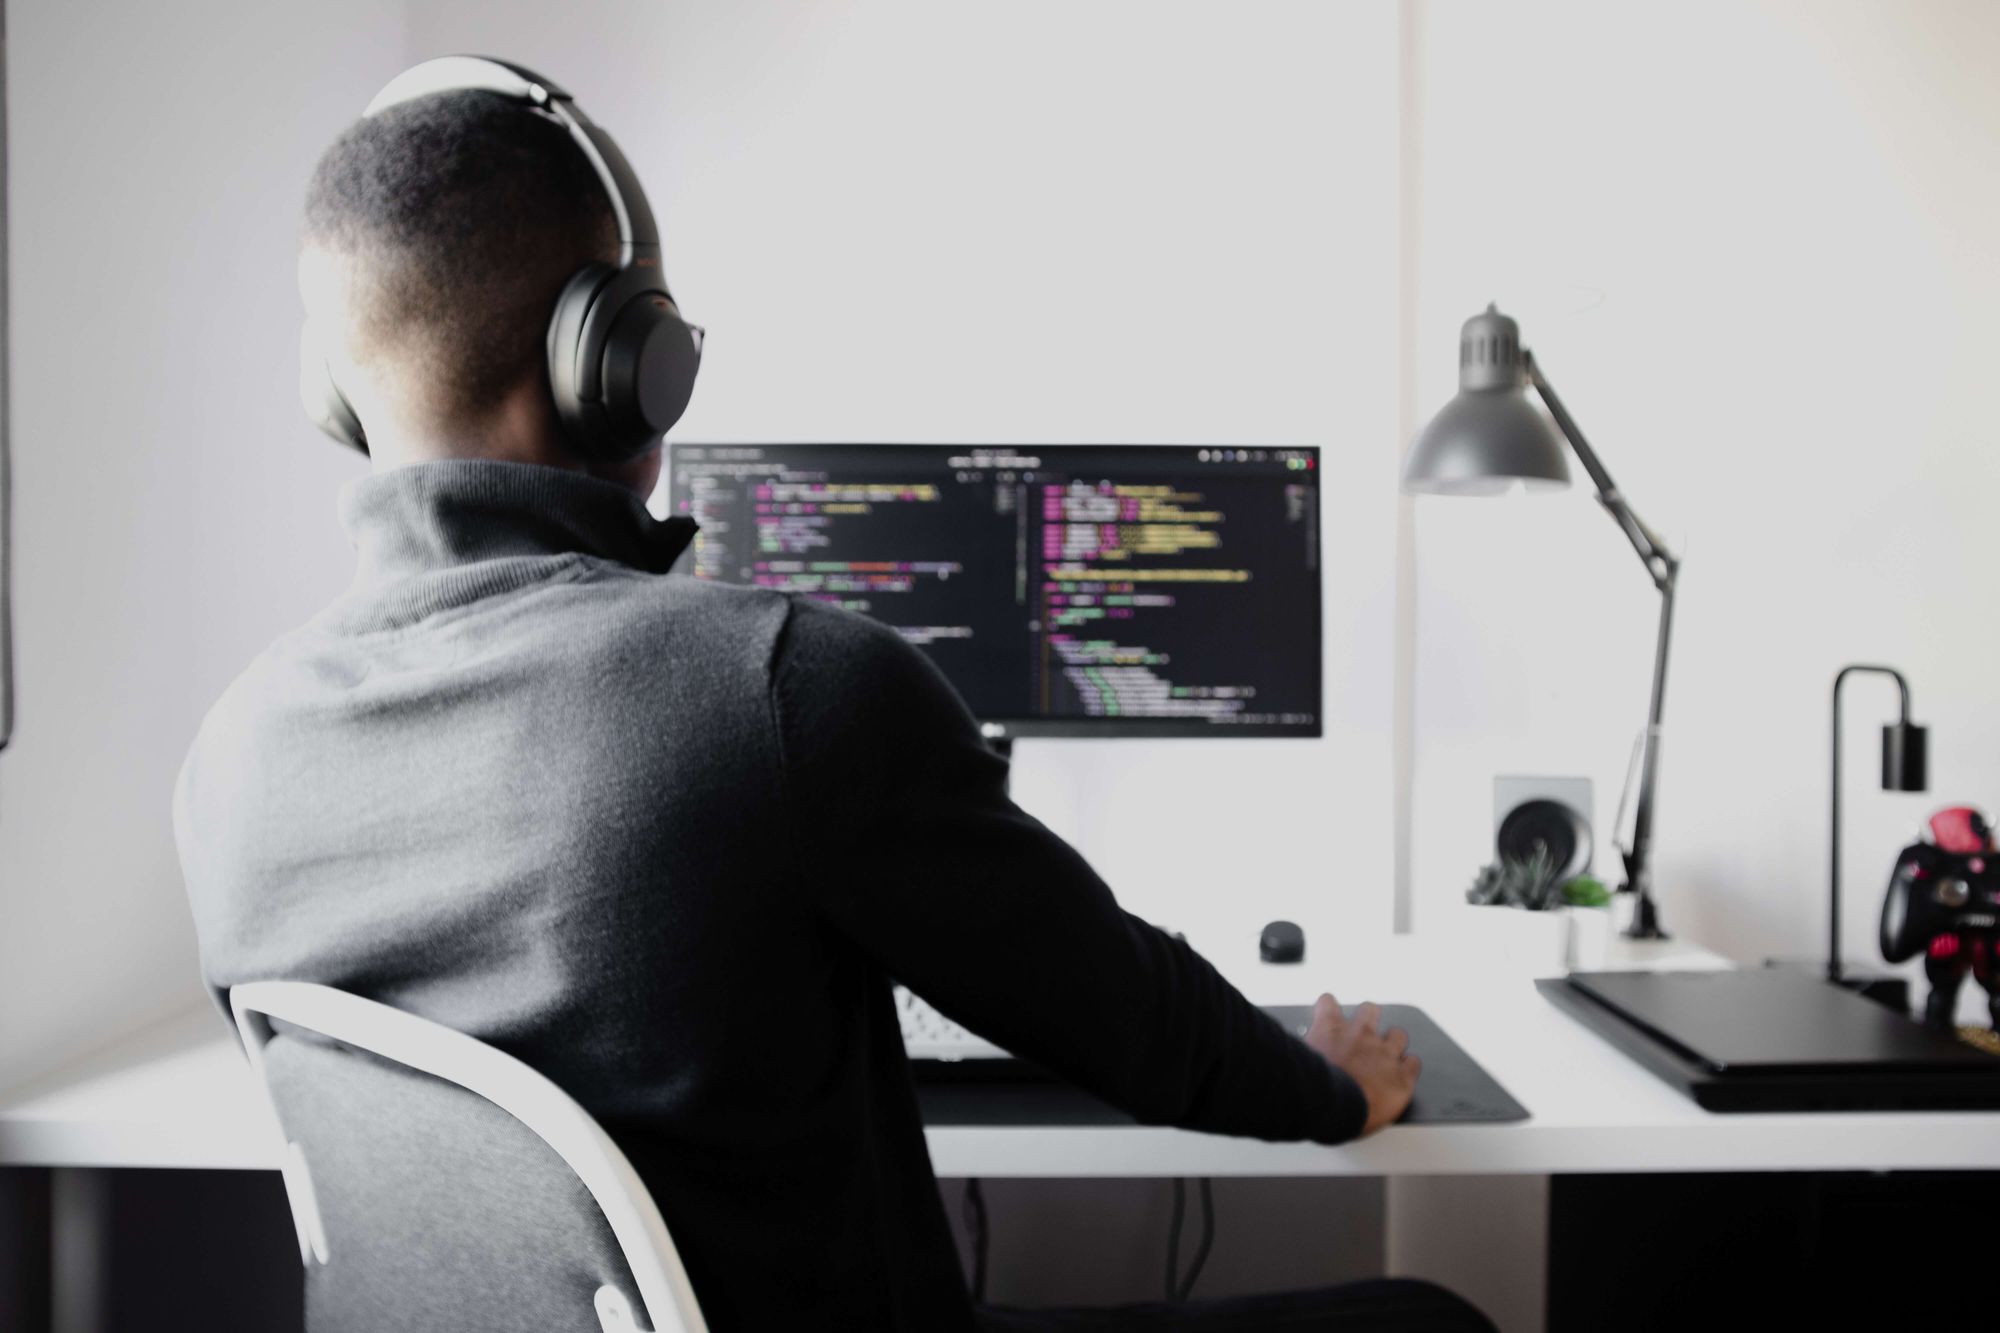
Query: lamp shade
[1905,757]
[1491,437]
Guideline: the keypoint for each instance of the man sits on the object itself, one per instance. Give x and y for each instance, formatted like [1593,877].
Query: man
[668,841]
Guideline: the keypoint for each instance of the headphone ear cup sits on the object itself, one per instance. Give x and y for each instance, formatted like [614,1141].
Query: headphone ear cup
[577,396]
[650,361]
[622,362]
[325,405]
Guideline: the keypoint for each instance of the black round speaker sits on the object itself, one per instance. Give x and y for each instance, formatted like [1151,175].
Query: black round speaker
[1556,829]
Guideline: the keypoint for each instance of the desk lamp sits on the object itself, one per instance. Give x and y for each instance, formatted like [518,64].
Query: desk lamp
[1489,439]
[1905,765]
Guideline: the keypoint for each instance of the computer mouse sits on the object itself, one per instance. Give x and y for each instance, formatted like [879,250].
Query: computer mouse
[1281,942]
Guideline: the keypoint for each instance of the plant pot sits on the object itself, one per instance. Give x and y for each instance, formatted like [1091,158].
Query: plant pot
[1515,940]
[1586,938]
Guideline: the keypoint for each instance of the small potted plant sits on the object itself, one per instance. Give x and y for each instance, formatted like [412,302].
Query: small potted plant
[1557,923]
[1587,909]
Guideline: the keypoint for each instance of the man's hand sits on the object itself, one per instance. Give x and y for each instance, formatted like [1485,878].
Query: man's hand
[1379,1061]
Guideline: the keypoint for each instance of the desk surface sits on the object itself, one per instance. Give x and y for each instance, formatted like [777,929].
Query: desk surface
[179,1094]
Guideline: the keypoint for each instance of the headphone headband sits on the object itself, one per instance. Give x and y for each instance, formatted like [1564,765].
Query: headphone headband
[638,235]
[621,360]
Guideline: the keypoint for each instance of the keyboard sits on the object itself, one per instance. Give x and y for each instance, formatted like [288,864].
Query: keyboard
[929,1035]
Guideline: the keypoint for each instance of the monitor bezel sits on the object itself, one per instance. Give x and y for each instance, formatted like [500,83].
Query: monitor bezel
[1009,729]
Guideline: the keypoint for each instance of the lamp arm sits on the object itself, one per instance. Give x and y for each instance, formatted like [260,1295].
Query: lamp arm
[1664,569]
[1660,563]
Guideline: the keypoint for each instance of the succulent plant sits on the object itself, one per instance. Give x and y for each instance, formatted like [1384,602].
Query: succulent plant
[1534,884]
[1586,891]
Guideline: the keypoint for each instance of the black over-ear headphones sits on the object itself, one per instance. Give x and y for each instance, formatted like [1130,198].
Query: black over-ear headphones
[622,362]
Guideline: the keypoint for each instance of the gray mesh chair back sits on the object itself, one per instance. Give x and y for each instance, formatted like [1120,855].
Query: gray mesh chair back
[440,1185]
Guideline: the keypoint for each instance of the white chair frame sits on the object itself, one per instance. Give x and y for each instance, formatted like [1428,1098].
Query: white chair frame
[550,1113]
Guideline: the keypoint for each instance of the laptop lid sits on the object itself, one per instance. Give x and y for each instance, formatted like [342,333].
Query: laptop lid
[1773,1021]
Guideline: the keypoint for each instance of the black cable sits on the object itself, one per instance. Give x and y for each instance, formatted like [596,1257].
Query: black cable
[1207,1240]
[973,1209]
[1173,1283]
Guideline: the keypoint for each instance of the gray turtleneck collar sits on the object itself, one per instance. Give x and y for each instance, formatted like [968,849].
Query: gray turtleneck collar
[433,536]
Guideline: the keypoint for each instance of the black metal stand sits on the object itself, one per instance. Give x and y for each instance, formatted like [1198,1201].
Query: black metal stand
[1896,776]
[1664,569]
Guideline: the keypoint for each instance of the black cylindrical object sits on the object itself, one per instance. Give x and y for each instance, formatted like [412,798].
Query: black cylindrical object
[1905,757]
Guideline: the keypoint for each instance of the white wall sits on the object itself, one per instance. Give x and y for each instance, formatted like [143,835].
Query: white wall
[170,513]
[1042,222]
[1754,246]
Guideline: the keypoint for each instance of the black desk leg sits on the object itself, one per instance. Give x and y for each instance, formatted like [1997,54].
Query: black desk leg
[24,1247]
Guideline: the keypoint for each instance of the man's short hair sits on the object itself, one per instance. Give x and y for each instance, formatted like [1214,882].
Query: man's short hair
[459,215]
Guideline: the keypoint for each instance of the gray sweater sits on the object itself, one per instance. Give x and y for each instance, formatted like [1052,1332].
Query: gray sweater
[668,841]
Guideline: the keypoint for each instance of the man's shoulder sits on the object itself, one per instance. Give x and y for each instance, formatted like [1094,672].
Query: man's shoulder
[828,635]
[703,606]
[224,759]
[856,663]
[842,676]
[689,622]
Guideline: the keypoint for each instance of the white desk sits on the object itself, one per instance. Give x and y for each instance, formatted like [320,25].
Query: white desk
[180,1095]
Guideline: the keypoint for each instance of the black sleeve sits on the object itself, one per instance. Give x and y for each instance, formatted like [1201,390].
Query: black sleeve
[914,851]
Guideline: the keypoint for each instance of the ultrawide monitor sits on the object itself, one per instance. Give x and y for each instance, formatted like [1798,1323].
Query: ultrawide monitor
[1065,590]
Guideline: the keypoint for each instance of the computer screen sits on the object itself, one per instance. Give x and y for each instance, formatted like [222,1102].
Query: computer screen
[1064,590]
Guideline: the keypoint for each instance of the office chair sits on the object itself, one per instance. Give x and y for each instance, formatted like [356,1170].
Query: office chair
[440,1184]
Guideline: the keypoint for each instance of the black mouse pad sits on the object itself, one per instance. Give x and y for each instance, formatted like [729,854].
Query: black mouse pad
[1454,1090]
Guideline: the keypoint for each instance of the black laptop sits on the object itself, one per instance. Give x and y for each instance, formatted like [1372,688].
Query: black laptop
[1769,1039]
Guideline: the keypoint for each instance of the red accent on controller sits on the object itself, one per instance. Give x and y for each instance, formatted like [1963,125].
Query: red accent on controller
[1961,830]
[1944,946]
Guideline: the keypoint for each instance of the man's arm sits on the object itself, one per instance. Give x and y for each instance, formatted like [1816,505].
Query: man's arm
[904,831]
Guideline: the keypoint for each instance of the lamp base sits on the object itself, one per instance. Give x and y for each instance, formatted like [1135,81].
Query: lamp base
[1645,923]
